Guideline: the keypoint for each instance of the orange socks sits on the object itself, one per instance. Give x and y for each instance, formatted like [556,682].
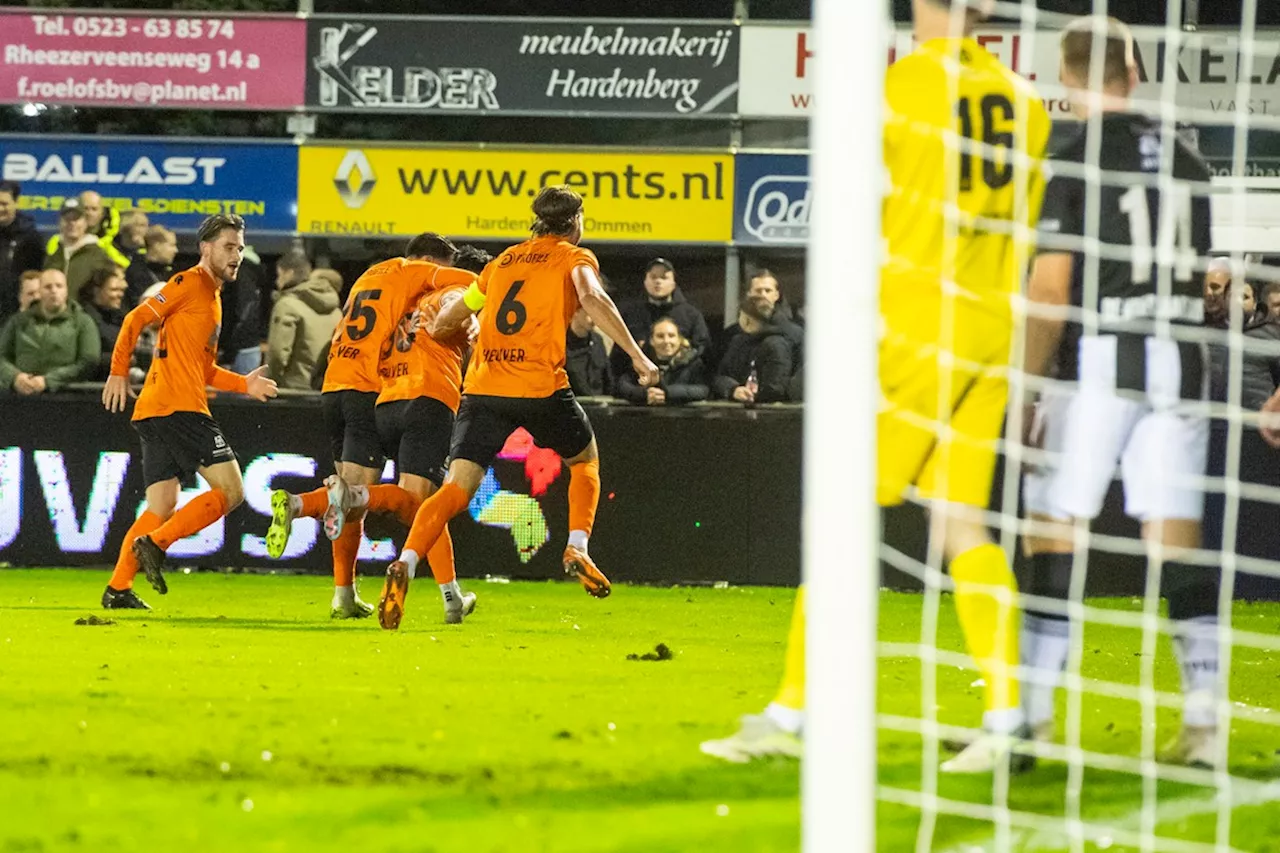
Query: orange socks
[432,517]
[314,503]
[126,563]
[584,495]
[441,558]
[389,497]
[346,548]
[199,513]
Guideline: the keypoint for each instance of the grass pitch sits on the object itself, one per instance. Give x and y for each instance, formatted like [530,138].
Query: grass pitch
[237,716]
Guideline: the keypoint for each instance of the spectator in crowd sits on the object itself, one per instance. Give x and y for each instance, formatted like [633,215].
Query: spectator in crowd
[240,344]
[50,344]
[683,378]
[160,247]
[662,299]
[131,242]
[302,321]
[586,360]
[76,252]
[1244,294]
[101,221]
[764,283]
[28,289]
[1271,301]
[103,301]
[757,364]
[19,248]
[1217,279]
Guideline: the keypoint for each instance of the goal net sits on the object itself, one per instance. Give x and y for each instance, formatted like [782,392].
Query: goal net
[1113,773]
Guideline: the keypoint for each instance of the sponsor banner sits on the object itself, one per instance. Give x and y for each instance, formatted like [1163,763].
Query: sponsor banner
[131,60]
[522,65]
[771,200]
[177,184]
[71,484]
[396,192]
[1204,68]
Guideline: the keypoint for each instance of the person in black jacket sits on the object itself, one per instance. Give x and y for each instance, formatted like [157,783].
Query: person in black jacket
[103,300]
[20,247]
[156,267]
[662,298]
[764,283]
[585,358]
[683,378]
[240,343]
[757,364]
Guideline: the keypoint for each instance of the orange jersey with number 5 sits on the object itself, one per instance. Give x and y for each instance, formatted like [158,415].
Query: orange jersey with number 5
[420,366]
[529,300]
[377,303]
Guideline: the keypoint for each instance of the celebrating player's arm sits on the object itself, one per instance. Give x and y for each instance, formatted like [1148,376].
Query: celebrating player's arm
[600,308]
[591,295]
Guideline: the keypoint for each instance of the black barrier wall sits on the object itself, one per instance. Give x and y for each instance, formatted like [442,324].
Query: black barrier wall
[702,496]
[689,495]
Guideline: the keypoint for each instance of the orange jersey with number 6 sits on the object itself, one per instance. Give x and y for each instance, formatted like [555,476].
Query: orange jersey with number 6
[377,303]
[529,300]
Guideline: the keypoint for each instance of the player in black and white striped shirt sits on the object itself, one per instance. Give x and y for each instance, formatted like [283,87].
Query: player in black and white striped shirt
[1134,380]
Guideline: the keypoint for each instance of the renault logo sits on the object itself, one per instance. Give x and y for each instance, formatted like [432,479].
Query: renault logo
[354,179]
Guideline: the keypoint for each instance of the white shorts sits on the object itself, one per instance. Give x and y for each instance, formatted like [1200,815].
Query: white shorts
[1088,432]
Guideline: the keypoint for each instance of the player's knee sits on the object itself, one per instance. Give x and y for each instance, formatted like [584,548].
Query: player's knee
[234,494]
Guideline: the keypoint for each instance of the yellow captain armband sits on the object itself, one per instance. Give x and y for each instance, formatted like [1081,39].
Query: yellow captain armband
[473,298]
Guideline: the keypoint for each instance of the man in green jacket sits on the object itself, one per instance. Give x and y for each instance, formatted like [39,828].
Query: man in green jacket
[50,344]
[78,248]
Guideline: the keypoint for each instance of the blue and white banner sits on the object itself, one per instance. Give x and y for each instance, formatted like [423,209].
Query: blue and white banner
[771,200]
[177,184]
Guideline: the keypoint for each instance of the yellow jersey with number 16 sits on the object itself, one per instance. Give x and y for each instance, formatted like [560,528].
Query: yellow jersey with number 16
[964,138]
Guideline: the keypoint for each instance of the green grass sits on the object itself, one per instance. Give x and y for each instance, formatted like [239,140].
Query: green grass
[526,729]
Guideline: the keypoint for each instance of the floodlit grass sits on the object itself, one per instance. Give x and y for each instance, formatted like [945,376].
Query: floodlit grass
[238,717]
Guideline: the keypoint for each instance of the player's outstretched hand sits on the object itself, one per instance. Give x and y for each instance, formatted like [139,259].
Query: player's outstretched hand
[116,393]
[258,385]
[1269,421]
[646,371]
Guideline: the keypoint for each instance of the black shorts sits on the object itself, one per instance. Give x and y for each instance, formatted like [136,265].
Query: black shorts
[416,433]
[353,432]
[484,424]
[178,445]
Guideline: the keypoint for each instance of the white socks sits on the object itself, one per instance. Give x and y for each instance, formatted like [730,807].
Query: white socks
[578,539]
[452,595]
[1195,641]
[344,596]
[1003,722]
[1045,644]
[357,497]
[410,558]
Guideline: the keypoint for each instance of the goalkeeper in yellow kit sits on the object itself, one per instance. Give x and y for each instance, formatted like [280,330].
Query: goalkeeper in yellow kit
[963,141]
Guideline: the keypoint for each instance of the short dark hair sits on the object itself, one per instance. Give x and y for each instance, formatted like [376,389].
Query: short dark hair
[295,260]
[13,188]
[429,244]
[762,272]
[1078,45]
[472,259]
[28,276]
[216,224]
[99,277]
[1268,289]
[556,208]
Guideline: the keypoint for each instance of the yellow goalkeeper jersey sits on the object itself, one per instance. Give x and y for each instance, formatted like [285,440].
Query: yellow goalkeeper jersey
[963,142]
